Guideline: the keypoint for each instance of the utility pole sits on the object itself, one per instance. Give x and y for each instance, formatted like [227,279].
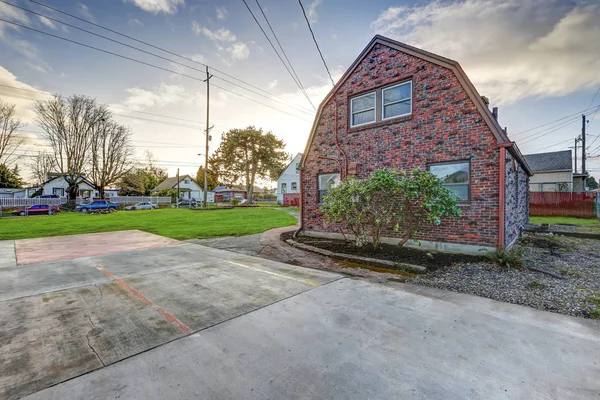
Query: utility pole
[576,140]
[208,76]
[583,143]
[177,187]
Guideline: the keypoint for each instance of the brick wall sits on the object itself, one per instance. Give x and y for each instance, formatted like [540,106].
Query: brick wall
[516,199]
[444,126]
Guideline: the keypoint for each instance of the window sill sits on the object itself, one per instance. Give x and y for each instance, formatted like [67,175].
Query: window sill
[380,123]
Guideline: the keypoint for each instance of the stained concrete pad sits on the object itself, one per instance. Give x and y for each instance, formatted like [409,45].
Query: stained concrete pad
[67,317]
[8,257]
[54,248]
[351,339]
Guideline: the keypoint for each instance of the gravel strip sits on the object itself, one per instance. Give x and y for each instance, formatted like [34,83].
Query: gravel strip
[576,260]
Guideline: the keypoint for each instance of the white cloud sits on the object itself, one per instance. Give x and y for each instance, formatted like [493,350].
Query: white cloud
[219,35]
[157,6]
[272,84]
[238,51]
[222,13]
[311,11]
[85,11]
[510,49]
[47,22]
[160,96]
[23,106]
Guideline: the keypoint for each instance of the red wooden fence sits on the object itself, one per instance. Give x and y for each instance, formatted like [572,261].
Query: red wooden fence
[564,204]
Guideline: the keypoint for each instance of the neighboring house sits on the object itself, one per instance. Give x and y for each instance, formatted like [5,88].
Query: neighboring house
[225,194]
[401,107]
[12,193]
[288,183]
[553,172]
[57,185]
[188,188]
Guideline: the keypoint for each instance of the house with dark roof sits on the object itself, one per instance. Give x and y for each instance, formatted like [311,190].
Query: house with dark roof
[57,185]
[188,188]
[553,172]
[401,107]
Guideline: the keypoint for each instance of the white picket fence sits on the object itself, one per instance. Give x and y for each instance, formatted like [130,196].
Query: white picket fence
[25,202]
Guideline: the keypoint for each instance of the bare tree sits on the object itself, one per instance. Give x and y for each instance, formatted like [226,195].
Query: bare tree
[9,124]
[41,166]
[111,154]
[70,125]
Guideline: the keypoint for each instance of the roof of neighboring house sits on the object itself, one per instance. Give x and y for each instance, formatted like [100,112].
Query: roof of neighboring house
[553,161]
[56,176]
[291,162]
[170,183]
[486,114]
[220,189]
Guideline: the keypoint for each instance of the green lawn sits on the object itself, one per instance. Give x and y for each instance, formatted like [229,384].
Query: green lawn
[170,222]
[565,221]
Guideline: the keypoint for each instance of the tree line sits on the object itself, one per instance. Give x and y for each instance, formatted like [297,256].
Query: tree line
[84,142]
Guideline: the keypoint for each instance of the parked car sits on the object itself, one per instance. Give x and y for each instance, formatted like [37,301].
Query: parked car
[97,205]
[36,210]
[187,203]
[144,205]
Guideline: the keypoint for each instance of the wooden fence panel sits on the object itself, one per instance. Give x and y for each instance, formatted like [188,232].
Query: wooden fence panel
[563,204]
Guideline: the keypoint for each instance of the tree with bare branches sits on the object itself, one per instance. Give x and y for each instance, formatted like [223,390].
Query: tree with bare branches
[41,166]
[9,140]
[71,124]
[111,153]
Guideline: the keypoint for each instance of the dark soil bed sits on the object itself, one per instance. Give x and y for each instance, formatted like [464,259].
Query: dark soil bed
[430,259]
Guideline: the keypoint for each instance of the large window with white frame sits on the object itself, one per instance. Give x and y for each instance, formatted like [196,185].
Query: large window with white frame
[456,176]
[396,101]
[362,109]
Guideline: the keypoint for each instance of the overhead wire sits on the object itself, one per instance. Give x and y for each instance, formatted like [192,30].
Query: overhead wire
[153,46]
[316,43]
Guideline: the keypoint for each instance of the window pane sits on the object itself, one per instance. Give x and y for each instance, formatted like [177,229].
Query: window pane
[363,103]
[363,117]
[328,181]
[396,109]
[397,93]
[451,173]
[461,191]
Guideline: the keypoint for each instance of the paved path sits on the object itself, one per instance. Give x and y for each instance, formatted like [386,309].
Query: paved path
[351,339]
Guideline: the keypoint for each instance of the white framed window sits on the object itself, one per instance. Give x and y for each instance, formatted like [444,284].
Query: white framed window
[456,176]
[362,109]
[297,167]
[294,185]
[58,191]
[396,101]
[283,187]
[327,182]
[186,181]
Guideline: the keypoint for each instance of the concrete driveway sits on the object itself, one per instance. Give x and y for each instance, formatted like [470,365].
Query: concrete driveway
[263,330]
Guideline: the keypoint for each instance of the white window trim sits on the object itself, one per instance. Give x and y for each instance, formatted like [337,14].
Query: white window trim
[397,101]
[368,109]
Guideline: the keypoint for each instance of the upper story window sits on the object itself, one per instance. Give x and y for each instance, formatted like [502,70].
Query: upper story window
[381,104]
[396,100]
[294,186]
[456,177]
[284,187]
[186,181]
[362,109]
[297,167]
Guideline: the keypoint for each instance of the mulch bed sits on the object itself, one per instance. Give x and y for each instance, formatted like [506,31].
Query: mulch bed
[430,259]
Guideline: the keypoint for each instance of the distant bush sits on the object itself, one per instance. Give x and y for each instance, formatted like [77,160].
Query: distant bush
[507,258]
[234,202]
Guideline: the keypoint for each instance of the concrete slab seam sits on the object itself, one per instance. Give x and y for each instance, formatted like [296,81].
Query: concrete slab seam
[275,273]
[168,316]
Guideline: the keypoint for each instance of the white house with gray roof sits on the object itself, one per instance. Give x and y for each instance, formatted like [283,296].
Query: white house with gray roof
[553,172]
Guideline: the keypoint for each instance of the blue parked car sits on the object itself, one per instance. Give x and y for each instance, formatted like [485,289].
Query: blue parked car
[97,205]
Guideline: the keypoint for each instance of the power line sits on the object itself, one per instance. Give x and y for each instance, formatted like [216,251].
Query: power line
[144,63]
[315,40]
[279,56]
[282,50]
[145,52]
[578,113]
[543,133]
[155,47]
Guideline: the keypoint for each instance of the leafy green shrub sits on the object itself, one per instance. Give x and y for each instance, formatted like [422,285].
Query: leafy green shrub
[507,258]
[234,202]
[389,199]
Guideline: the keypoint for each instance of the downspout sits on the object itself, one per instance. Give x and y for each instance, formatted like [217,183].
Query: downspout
[297,231]
[344,170]
[502,194]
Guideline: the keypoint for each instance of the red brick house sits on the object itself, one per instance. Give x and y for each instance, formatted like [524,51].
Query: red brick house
[401,107]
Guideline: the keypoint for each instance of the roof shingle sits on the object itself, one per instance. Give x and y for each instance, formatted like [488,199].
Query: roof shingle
[553,161]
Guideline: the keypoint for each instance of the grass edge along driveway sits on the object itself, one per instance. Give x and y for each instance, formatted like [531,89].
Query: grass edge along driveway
[173,223]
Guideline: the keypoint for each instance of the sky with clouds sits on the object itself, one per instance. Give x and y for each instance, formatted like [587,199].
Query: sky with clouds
[537,60]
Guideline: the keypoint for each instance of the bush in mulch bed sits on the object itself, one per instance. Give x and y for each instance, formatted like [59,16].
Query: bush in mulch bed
[430,259]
